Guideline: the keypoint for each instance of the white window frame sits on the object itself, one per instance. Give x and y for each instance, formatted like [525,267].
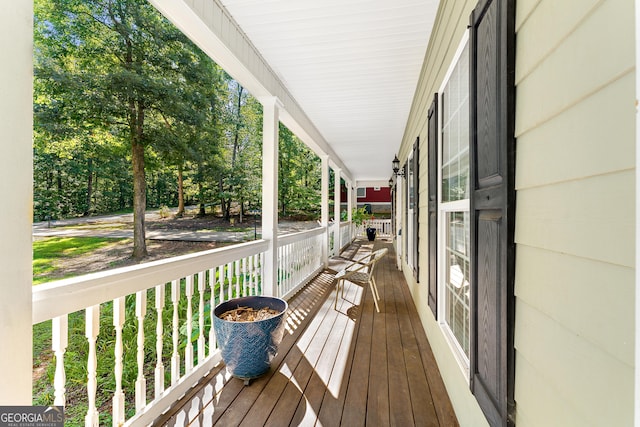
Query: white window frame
[443,210]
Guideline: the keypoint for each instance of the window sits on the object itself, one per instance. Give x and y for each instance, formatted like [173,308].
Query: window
[453,251]
[361,192]
[412,209]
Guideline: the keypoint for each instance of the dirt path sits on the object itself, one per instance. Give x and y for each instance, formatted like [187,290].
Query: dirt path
[166,237]
[118,254]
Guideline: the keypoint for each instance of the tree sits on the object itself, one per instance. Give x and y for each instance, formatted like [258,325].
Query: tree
[118,65]
[129,113]
[299,175]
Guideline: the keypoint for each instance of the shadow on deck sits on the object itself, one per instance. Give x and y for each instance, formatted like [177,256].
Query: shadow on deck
[350,366]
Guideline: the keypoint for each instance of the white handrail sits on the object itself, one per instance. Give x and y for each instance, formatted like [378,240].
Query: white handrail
[69,295]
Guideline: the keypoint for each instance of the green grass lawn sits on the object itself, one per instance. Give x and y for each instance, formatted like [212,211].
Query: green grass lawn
[49,251]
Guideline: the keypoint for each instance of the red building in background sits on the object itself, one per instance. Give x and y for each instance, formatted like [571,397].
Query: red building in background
[378,199]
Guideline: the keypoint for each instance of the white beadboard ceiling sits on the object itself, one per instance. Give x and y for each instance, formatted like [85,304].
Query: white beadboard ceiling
[352,65]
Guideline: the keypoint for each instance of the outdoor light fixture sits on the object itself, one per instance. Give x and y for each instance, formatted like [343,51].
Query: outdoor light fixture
[396,167]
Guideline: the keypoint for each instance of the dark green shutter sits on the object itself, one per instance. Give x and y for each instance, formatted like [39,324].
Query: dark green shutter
[433,204]
[416,210]
[492,167]
[407,196]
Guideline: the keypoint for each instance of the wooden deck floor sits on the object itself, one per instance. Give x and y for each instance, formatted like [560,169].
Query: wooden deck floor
[350,366]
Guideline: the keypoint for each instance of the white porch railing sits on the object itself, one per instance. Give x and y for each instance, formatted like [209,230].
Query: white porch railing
[299,260]
[382,226]
[185,291]
[346,234]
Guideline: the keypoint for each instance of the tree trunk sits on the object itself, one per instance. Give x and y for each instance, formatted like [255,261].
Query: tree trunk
[201,212]
[227,209]
[139,183]
[234,153]
[180,212]
[87,210]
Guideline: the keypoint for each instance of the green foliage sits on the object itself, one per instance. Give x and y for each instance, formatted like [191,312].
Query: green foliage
[359,216]
[48,251]
[299,175]
[111,74]
[164,212]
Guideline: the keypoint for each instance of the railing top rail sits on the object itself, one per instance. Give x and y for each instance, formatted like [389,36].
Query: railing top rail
[68,295]
[293,237]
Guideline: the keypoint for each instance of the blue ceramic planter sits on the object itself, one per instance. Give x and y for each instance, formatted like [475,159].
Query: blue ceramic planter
[248,347]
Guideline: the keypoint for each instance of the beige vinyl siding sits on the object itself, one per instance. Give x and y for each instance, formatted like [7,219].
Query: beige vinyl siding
[575,181]
[450,26]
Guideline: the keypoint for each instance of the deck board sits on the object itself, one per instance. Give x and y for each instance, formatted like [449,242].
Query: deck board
[348,366]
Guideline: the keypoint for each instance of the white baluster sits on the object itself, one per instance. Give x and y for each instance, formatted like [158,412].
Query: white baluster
[294,264]
[159,371]
[201,288]
[236,265]
[261,274]
[175,356]
[212,303]
[92,328]
[118,395]
[188,351]
[278,272]
[252,282]
[281,271]
[245,287]
[304,257]
[302,269]
[257,270]
[141,383]
[285,272]
[230,279]
[221,280]
[59,342]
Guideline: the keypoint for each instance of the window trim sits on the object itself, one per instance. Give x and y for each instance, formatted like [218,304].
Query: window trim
[464,361]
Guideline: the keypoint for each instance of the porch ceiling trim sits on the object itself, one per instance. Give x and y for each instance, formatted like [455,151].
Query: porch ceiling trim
[211,27]
[353,67]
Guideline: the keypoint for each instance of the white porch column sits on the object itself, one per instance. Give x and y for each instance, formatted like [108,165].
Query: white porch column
[270,123]
[324,208]
[337,240]
[637,237]
[349,200]
[349,186]
[16,172]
